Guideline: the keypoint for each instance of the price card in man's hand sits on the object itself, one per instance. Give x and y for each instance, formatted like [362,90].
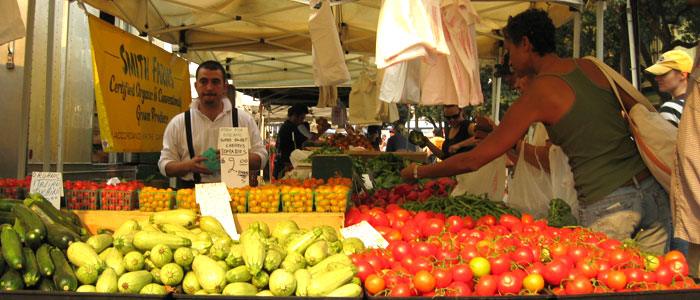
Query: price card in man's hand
[234,143]
[365,232]
[213,200]
[49,185]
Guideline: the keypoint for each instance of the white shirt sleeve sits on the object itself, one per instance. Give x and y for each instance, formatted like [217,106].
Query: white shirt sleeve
[305,131]
[172,137]
[256,144]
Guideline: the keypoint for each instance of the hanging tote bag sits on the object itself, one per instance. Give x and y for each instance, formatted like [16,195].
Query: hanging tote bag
[531,188]
[655,137]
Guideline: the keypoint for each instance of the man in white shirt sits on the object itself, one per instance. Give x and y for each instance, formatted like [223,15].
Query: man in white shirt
[207,113]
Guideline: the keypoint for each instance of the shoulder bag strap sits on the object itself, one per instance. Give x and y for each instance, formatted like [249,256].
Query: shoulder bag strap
[190,145]
[234,116]
[641,100]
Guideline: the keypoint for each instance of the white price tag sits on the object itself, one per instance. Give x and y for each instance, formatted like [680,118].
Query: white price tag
[365,232]
[213,199]
[233,149]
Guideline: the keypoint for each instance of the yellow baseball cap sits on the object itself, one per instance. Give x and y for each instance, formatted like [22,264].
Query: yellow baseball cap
[672,60]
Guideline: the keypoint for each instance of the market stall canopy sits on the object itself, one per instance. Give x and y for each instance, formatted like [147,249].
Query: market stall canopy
[267,43]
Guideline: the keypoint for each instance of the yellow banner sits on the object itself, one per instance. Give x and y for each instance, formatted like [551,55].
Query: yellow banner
[139,88]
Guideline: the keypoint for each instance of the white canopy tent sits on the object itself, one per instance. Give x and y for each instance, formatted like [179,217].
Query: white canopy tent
[267,44]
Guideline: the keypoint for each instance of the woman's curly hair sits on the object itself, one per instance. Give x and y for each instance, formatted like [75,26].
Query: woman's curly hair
[536,25]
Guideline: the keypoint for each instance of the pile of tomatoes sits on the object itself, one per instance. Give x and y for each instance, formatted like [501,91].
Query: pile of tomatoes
[310,183]
[14,188]
[120,197]
[82,194]
[155,199]
[186,198]
[430,255]
[343,141]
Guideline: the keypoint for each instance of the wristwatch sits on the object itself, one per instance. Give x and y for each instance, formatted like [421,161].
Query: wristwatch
[415,172]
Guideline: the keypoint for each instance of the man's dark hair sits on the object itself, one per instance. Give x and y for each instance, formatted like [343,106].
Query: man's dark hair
[297,110]
[536,25]
[374,129]
[212,65]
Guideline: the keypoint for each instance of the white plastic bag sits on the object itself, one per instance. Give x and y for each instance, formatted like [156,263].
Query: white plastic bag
[562,178]
[363,101]
[531,188]
[490,179]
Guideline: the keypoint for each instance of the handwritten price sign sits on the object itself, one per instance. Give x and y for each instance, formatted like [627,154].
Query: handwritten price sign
[233,145]
[49,185]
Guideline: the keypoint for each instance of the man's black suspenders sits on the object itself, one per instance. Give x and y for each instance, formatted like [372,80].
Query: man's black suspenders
[190,145]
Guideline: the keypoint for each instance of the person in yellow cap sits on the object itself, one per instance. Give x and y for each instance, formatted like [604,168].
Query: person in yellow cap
[671,72]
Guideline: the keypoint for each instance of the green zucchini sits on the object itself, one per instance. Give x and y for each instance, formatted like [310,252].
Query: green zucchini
[7,204]
[11,247]
[70,216]
[6,217]
[3,267]
[19,228]
[30,270]
[54,214]
[105,230]
[43,260]
[60,236]
[46,284]
[36,231]
[63,277]
[11,281]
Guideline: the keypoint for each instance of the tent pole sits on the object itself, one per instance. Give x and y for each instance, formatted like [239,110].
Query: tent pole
[633,49]
[26,91]
[599,28]
[62,97]
[50,51]
[577,34]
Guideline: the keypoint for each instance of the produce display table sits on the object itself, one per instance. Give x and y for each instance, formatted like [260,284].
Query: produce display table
[94,219]
[365,155]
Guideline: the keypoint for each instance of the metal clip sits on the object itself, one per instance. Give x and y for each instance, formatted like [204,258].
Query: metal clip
[10,64]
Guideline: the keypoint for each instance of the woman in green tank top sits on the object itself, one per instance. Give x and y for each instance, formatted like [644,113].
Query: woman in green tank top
[617,196]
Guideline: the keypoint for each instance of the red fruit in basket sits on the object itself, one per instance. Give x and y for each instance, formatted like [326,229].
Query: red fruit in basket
[454,224]
[678,266]
[364,269]
[459,289]
[462,272]
[555,272]
[509,283]
[378,218]
[616,280]
[486,286]
[500,264]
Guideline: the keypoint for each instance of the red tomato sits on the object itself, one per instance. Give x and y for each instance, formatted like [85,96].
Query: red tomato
[443,278]
[423,249]
[446,255]
[364,269]
[468,222]
[378,218]
[393,236]
[424,282]
[487,220]
[410,233]
[618,258]
[508,221]
[468,252]
[486,286]
[499,264]
[508,283]
[462,273]
[401,290]
[558,249]
[432,227]
[527,219]
[673,255]
[536,268]
[580,285]
[399,249]
[616,280]
[634,275]
[577,252]
[555,272]
[454,224]
[402,215]
[374,284]
[678,266]
[421,263]
[587,267]
[523,256]
[459,289]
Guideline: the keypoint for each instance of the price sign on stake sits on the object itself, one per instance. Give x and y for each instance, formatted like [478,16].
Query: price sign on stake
[49,185]
[213,200]
[233,145]
[365,232]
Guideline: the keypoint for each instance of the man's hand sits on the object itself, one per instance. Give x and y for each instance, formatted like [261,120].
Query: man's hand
[407,174]
[195,165]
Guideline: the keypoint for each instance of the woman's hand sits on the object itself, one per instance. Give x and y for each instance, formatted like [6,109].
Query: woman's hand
[454,148]
[407,174]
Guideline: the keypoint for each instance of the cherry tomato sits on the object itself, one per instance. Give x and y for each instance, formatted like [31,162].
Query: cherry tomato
[401,290]
[523,256]
[443,278]
[618,258]
[616,280]
[555,272]
[374,284]
[580,285]
[508,283]
[432,227]
[533,283]
[462,273]
[673,255]
[486,286]
[424,282]
[364,269]
[468,222]
[480,267]
[454,224]
[459,289]
[678,266]
[500,264]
